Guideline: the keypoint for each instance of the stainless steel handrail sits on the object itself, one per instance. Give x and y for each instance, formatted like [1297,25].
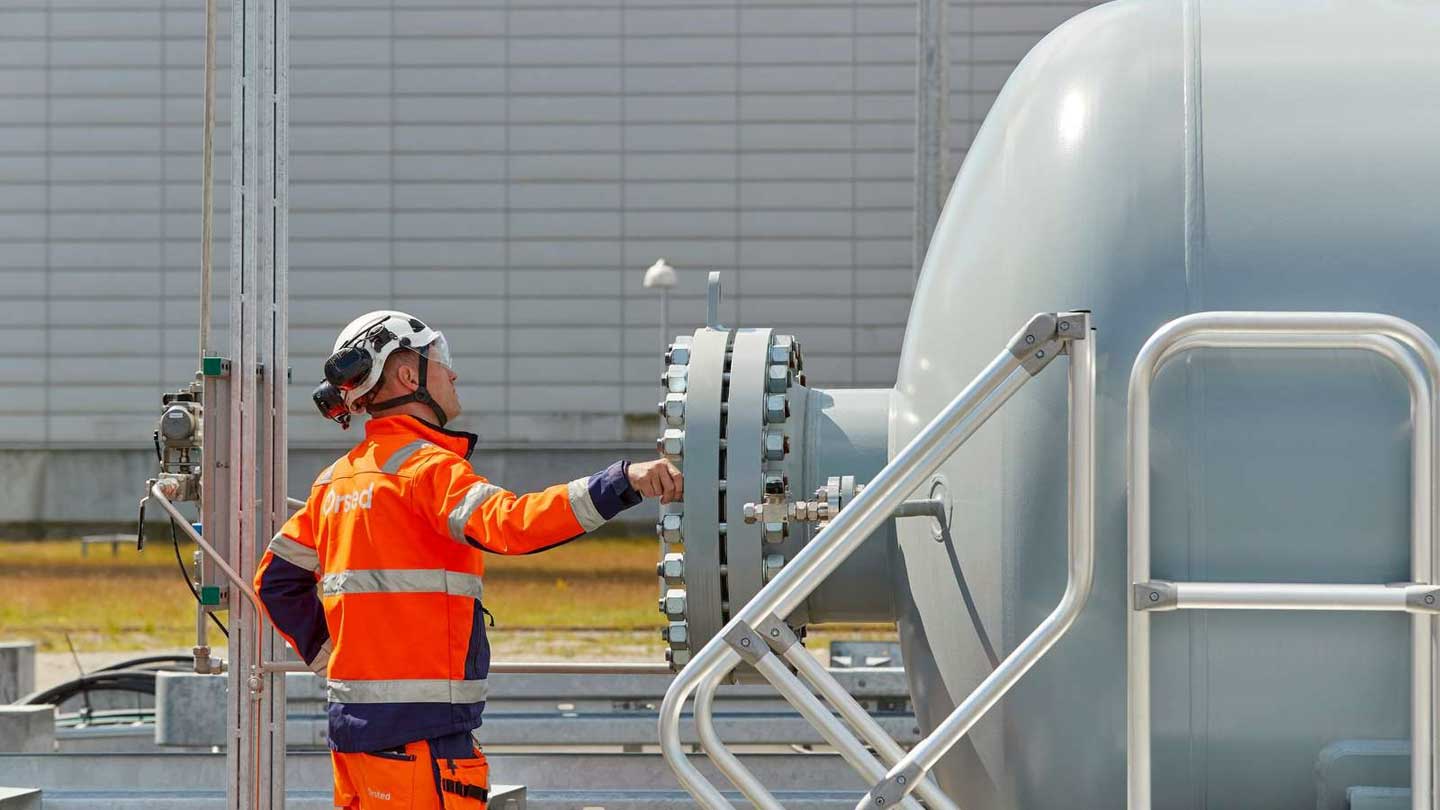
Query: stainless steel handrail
[1025,356]
[1381,334]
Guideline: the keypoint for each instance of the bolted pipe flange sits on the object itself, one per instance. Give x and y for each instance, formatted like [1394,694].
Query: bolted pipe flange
[671,444]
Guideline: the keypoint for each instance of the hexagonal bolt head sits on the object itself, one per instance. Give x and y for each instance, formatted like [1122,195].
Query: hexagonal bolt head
[673,604]
[678,634]
[752,512]
[776,484]
[776,445]
[670,528]
[672,567]
[777,408]
[783,349]
[775,532]
[676,379]
[672,443]
[673,409]
[679,354]
[778,379]
[771,566]
[677,658]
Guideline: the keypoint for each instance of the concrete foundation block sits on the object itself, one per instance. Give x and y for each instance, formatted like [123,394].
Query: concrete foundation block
[19,799]
[17,670]
[190,709]
[27,729]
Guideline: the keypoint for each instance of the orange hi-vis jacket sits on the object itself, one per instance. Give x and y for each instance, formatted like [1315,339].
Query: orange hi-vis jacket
[393,533]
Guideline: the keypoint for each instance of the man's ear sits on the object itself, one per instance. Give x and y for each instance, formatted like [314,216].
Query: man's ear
[408,375]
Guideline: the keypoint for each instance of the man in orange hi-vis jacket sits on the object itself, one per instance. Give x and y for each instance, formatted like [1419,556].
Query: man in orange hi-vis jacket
[393,533]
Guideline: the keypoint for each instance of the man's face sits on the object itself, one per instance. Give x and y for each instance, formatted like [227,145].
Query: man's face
[441,384]
[402,376]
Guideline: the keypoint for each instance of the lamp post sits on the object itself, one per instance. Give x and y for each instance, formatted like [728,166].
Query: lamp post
[661,275]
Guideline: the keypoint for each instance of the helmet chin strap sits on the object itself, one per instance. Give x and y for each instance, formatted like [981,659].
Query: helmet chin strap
[421,394]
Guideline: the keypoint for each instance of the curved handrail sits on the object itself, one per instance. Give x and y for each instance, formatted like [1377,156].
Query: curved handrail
[1385,335]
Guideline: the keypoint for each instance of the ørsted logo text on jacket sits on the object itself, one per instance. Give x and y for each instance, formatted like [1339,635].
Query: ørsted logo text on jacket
[347,503]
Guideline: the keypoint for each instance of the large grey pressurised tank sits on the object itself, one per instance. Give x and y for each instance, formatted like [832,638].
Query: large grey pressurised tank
[1148,159]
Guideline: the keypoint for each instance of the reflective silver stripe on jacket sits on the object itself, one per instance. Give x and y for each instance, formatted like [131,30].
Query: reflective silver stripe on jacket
[475,497]
[392,465]
[402,580]
[583,506]
[409,690]
[295,553]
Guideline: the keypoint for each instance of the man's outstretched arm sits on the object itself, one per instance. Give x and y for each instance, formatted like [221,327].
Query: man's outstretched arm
[473,511]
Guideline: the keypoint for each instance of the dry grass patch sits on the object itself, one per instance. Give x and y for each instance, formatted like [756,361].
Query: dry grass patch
[594,598]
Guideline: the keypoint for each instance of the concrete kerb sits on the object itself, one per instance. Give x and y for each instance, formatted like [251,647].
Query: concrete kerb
[19,799]
[27,729]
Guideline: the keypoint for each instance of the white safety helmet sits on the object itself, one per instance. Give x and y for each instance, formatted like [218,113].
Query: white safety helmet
[358,361]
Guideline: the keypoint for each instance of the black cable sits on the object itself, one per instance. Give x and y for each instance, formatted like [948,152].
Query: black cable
[185,575]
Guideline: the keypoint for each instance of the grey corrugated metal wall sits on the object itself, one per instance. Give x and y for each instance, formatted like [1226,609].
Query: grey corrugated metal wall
[504,169]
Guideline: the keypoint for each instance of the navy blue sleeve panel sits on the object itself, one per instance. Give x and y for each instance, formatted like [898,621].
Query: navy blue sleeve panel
[288,592]
[611,492]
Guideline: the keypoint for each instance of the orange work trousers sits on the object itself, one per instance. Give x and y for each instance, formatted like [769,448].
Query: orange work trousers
[410,778]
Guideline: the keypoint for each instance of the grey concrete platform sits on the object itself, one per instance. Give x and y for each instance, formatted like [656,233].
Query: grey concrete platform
[553,781]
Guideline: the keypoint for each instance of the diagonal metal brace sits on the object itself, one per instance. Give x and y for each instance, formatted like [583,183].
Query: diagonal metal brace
[1045,337]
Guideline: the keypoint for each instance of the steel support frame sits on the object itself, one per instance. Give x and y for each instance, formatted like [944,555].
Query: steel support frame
[1395,340]
[259,261]
[1043,338]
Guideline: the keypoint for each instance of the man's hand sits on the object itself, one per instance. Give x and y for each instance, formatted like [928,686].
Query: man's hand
[658,479]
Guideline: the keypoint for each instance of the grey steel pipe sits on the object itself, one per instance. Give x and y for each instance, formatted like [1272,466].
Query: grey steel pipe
[1364,331]
[870,731]
[727,762]
[157,491]
[904,777]
[830,547]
